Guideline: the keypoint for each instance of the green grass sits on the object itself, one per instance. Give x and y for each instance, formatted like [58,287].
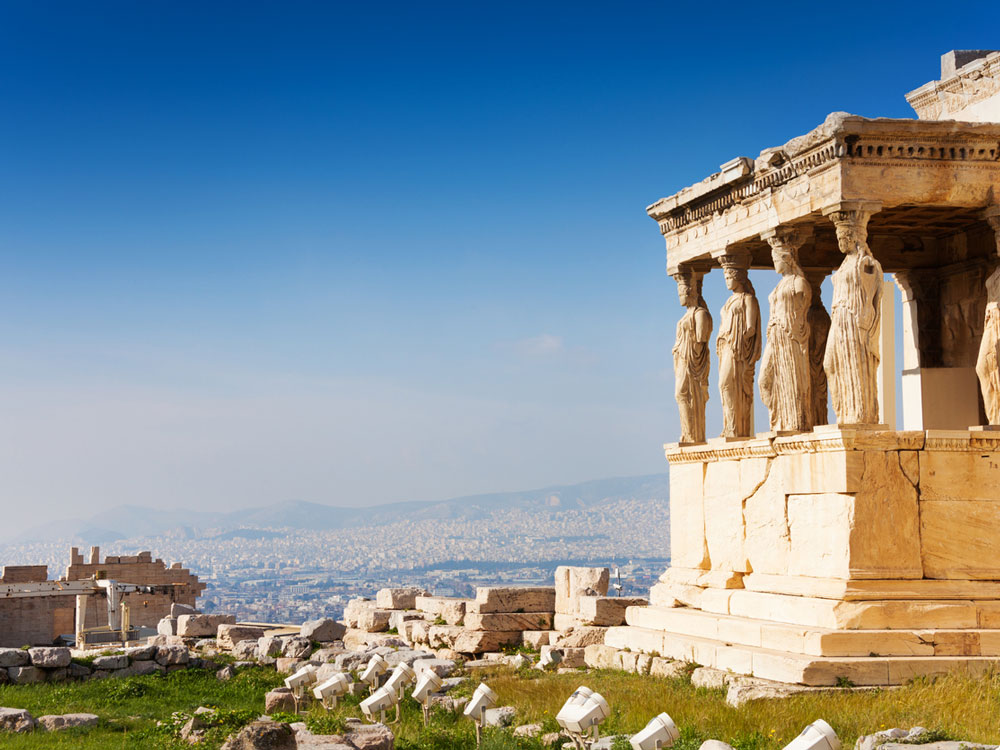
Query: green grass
[130,708]
[956,706]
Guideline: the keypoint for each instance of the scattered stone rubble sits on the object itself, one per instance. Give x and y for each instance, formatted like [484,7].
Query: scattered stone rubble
[565,625]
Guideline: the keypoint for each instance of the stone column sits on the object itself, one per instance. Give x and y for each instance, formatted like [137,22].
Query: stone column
[988,360]
[738,346]
[819,329]
[852,348]
[785,380]
[691,356]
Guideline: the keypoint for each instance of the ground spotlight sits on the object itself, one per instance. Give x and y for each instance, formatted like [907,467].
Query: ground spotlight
[659,732]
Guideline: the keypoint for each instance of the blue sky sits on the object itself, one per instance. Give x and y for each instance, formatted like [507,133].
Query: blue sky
[355,253]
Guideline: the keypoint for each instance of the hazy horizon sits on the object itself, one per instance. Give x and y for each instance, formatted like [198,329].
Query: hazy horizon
[371,255]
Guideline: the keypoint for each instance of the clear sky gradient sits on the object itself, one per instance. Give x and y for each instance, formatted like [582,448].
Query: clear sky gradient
[356,252]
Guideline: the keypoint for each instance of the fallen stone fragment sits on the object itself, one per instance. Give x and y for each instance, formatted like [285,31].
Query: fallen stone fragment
[55,723]
[440,667]
[16,720]
[141,653]
[49,657]
[169,655]
[279,699]
[14,657]
[502,716]
[26,675]
[228,636]
[399,598]
[115,661]
[370,737]
[715,745]
[324,630]
[262,734]
[199,626]
[296,647]
[707,677]
[528,730]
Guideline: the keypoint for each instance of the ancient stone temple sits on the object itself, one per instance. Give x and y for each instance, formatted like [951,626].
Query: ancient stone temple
[849,549]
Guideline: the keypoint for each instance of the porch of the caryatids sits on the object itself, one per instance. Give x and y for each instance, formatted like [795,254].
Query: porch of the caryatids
[691,356]
[852,348]
[785,376]
[738,346]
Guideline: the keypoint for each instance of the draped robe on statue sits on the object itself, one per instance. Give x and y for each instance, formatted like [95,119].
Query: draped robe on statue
[785,377]
[691,362]
[738,348]
[852,354]
[988,361]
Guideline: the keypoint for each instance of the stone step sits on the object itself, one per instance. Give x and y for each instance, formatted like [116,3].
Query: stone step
[841,615]
[783,666]
[874,589]
[745,631]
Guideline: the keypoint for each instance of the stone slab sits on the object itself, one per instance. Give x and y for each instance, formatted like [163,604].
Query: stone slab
[399,598]
[490,599]
[959,539]
[481,641]
[688,544]
[451,610]
[960,475]
[509,621]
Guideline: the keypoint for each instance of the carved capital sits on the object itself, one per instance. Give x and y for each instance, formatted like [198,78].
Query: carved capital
[732,258]
[850,218]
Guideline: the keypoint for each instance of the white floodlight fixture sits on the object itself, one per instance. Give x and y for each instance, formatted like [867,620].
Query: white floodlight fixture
[659,732]
[482,699]
[401,676]
[817,736]
[378,703]
[427,684]
[300,681]
[374,671]
[329,691]
[581,719]
[578,698]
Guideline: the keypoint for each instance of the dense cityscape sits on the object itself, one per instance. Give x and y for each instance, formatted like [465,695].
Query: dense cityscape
[283,575]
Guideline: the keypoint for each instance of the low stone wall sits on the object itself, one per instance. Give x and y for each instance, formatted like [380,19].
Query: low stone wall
[55,664]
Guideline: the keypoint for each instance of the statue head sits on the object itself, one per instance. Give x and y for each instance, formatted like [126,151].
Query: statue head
[786,259]
[852,231]
[688,287]
[734,270]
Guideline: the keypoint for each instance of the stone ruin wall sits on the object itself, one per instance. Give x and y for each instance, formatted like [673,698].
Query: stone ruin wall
[38,620]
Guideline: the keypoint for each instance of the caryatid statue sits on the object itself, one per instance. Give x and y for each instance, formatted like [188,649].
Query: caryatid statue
[691,357]
[988,362]
[852,348]
[738,347]
[819,330]
[785,378]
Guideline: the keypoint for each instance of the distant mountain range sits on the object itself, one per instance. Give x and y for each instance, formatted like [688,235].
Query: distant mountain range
[132,522]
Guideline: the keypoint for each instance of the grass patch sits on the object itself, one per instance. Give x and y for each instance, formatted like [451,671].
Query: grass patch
[952,706]
[131,707]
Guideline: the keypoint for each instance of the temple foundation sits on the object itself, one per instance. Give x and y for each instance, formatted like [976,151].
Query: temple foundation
[837,555]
